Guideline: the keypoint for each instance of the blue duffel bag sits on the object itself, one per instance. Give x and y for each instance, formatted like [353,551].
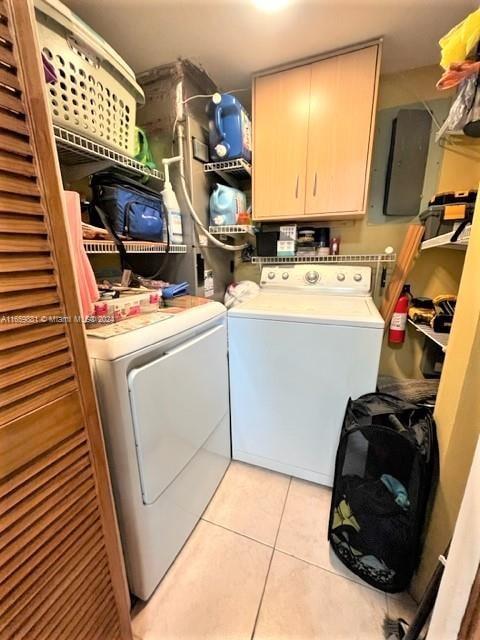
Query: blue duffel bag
[126,208]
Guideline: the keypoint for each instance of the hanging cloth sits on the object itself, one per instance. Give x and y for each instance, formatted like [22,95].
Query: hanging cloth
[460,41]
[86,284]
[456,73]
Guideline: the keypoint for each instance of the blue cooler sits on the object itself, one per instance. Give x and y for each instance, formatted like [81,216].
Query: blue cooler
[230,130]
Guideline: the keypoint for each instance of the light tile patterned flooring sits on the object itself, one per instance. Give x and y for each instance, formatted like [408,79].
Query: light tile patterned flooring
[258,565]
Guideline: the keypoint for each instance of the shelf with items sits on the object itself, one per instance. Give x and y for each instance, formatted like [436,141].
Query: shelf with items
[376,258]
[439,338]
[444,240]
[239,169]
[132,246]
[233,172]
[231,230]
[80,157]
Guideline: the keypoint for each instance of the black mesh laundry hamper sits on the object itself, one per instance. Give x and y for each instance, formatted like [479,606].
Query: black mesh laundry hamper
[385,473]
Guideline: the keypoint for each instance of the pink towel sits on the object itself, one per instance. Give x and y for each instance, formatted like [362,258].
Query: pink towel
[86,285]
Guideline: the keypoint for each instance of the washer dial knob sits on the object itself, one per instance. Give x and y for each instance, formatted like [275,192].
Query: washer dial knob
[312,277]
[271,275]
[285,275]
[340,277]
[357,277]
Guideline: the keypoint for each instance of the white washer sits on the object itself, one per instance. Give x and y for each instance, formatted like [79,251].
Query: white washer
[306,343]
[162,386]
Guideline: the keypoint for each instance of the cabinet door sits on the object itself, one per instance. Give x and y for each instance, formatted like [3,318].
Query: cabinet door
[60,556]
[280,120]
[342,114]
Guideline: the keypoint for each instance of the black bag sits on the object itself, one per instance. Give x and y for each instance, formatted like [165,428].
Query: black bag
[385,474]
[126,207]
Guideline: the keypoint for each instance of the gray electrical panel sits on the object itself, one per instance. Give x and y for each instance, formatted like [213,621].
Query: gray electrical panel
[407,161]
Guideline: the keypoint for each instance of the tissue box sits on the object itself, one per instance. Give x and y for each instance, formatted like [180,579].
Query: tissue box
[286,248]
[288,232]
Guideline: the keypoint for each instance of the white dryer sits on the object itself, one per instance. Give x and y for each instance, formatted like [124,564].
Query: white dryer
[162,386]
[306,343]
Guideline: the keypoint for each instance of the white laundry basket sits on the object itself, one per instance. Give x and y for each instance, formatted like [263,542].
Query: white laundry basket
[96,93]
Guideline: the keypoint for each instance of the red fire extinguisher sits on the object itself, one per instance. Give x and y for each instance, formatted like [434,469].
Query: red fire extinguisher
[396,333]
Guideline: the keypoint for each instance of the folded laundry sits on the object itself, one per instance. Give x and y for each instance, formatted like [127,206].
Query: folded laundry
[397,489]
[347,534]
[343,517]
[368,567]
[373,562]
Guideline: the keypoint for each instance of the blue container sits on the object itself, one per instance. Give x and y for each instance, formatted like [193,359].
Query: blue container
[225,205]
[230,130]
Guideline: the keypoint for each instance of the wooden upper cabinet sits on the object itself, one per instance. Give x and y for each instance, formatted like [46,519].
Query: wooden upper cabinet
[313,126]
[342,101]
[281,104]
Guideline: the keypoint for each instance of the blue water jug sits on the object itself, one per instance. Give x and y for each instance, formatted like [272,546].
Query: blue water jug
[225,205]
[230,130]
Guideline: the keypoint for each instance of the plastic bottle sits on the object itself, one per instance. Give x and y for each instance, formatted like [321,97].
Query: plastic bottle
[174,215]
[335,246]
[230,130]
[226,203]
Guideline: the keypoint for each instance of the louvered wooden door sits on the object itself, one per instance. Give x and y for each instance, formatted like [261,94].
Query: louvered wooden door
[61,569]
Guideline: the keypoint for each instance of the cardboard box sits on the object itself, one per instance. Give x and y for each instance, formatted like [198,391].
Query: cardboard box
[285,248]
[186,302]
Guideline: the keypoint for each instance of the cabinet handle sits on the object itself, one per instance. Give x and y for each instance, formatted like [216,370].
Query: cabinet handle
[315,185]
[296,188]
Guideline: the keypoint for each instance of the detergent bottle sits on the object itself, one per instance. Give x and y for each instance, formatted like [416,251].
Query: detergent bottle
[174,216]
[230,130]
[226,203]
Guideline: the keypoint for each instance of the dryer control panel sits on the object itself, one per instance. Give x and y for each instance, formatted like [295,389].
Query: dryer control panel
[319,278]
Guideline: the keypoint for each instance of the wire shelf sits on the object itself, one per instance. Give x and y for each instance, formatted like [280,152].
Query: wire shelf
[239,168]
[88,157]
[439,338]
[444,240]
[376,258]
[230,230]
[132,246]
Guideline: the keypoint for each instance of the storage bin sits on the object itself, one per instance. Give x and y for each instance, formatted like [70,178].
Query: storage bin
[267,243]
[386,471]
[446,210]
[96,93]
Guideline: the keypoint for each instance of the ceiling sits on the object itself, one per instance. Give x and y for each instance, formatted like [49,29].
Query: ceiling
[232,38]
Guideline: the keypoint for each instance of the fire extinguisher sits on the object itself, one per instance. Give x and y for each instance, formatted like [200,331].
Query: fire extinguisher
[396,333]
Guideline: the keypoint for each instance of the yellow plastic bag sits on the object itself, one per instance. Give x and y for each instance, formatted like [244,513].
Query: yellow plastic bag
[461,40]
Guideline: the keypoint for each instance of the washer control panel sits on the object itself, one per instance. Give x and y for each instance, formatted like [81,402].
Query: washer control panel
[319,278]
[312,277]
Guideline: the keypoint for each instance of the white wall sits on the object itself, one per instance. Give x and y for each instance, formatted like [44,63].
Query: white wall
[462,563]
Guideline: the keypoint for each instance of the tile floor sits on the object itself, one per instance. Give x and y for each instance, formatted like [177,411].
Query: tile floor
[258,565]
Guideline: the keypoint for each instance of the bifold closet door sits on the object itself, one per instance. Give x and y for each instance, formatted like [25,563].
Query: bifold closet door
[61,568]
